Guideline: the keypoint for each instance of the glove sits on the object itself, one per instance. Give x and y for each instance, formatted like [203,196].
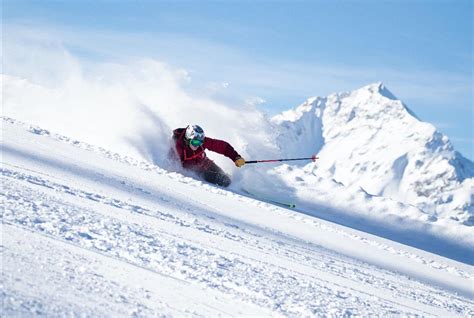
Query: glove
[239,162]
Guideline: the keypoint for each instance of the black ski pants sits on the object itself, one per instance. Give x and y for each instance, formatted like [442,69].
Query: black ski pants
[214,174]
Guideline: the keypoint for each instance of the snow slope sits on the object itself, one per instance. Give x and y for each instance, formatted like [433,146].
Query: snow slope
[89,232]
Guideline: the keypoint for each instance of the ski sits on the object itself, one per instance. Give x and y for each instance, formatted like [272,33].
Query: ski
[258,197]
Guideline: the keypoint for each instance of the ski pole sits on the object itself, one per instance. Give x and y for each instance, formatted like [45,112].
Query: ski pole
[277,160]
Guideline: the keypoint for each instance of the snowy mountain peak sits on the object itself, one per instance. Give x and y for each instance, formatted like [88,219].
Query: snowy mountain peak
[309,106]
[380,89]
[369,139]
[365,97]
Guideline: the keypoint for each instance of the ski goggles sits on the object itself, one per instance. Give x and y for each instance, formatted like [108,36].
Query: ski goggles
[196,142]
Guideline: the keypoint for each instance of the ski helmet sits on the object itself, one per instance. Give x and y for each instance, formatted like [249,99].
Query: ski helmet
[195,135]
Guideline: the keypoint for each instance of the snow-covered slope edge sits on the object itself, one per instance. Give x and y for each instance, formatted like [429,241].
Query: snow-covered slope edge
[88,232]
[370,140]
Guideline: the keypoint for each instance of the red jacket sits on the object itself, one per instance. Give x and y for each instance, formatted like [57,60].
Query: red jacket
[197,158]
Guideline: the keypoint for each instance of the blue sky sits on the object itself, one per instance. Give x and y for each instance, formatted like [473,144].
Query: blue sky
[283,51]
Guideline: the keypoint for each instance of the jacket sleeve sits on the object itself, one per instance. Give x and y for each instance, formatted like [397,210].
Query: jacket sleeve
[177,148]
[177,133]
[222,147]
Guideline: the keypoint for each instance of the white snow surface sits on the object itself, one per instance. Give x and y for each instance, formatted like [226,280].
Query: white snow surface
[379,161]
[89,232]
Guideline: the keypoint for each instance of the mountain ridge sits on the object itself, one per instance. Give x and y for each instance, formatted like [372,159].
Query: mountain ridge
[369,138]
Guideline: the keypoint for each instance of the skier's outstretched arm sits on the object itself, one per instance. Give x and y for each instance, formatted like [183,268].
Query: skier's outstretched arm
[224,148]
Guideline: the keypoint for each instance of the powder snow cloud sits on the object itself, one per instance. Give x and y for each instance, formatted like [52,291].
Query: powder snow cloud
[129,106]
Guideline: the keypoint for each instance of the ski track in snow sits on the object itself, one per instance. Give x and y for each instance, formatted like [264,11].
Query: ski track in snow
[165,252]
[51,223]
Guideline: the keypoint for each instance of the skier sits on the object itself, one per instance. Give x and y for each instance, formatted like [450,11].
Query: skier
[190,144]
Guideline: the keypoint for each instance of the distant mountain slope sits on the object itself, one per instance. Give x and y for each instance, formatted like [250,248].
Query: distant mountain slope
[368,138]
